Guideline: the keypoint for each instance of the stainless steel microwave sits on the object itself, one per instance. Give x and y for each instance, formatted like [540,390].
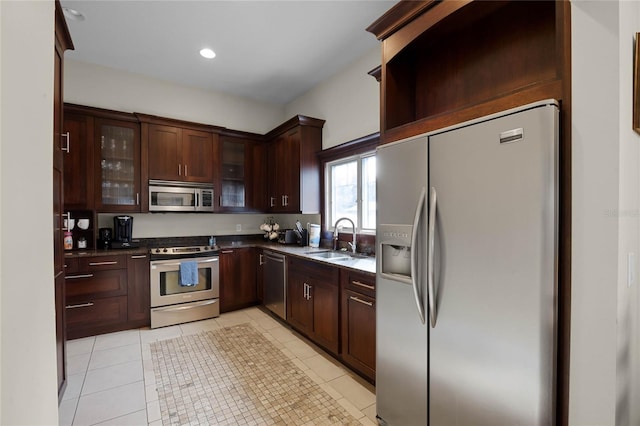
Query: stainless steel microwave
[170,196]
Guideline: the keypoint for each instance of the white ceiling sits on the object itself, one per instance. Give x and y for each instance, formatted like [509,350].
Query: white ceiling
[272,51]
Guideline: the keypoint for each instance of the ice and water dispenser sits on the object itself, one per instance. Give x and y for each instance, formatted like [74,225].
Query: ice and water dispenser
[395,251]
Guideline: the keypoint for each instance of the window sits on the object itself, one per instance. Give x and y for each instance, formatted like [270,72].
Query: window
[351,184]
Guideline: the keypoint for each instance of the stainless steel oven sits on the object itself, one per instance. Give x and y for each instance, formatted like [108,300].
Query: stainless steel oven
[174,303]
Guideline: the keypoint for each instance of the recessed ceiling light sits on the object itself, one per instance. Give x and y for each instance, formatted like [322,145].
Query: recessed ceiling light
[208,53]
[73,14]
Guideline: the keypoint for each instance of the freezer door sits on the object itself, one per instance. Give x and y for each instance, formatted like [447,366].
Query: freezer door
[492,351]
[401,334]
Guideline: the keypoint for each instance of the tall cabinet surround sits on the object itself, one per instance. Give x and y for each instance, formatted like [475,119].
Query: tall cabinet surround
[60,146]
[446,62]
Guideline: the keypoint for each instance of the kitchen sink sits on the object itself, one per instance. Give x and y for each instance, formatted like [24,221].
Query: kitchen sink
[331,255]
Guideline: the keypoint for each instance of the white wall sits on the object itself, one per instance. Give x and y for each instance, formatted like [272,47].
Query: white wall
[628,351]
[28,381]
[604,311]
[349,102]
[98,86]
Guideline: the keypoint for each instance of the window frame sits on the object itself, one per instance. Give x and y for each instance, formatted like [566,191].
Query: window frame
[364,146]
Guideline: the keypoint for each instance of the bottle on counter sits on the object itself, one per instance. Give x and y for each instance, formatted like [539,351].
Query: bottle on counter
[68,240]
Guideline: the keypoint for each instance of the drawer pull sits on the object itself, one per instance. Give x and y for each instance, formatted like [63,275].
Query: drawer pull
[139,256]
[111,262]
[72,277]
[364,302]
[226,251]
[81,305]
[358,283]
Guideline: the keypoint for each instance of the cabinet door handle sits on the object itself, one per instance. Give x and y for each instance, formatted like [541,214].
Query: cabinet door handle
[272,201]
[286,200]
[361,284]
[74,277]
[81,305]
[109,262]
[261,261]
[139,256]
[357,299]
[226,251]
[304,290]
[67,146]
[185,170]
[179,169]
[137,198]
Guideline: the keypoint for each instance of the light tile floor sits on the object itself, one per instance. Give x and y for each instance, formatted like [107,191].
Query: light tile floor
[111,379]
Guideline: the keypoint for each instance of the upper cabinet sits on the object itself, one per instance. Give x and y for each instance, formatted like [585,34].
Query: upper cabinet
[117,165]
[293,168]
[102,163]
[241,172]
[178,151]
[445,62]
[78,164]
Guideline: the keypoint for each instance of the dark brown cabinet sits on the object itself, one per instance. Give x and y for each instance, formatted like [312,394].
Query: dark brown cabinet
[313,298]
[447,62]
[117,165]
[96,295]
[78,164]
[106,293]
[241,172]
[358,321]
[293,166]
[62,42]
[237,278]
[138,290]
[179,154]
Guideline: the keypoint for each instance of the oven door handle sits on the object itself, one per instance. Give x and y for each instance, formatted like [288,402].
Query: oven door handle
[155,264]
[189,306]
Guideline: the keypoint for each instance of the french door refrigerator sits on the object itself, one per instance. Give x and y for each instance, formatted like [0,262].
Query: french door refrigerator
[467,273]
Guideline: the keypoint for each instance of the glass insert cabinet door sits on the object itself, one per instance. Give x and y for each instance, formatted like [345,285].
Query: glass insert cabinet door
[118,145]
[233,174]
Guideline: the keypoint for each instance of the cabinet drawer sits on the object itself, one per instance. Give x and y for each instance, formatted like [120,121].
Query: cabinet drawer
[71,265]
[96,313]
[98,284]
[102,263]
[360,282]
[314,271]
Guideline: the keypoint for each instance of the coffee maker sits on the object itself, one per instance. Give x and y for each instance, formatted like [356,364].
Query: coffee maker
[122,232]
[104,238]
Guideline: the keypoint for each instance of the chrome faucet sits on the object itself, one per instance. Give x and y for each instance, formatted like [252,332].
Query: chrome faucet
[335,234]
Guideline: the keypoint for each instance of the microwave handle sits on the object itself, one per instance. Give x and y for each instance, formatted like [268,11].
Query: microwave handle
[197,199]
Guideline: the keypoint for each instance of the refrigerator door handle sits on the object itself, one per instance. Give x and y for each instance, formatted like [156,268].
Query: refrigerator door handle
[431,273]
[415,280]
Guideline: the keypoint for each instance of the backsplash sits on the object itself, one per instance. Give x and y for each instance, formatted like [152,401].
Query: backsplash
[155,225]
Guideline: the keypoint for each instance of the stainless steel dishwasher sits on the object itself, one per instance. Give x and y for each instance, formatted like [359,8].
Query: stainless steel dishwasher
[275,283]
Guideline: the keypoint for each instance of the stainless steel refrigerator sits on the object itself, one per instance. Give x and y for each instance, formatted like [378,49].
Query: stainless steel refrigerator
[467,272]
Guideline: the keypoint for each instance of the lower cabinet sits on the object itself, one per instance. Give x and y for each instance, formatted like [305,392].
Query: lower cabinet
[313,298]
[238,288]
[106,293]
[139,296]
[359,322]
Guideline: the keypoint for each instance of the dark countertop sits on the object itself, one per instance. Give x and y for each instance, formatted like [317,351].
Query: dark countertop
[360,264]
[101,252]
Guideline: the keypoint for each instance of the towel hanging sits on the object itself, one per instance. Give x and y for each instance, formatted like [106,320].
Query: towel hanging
[188,274]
